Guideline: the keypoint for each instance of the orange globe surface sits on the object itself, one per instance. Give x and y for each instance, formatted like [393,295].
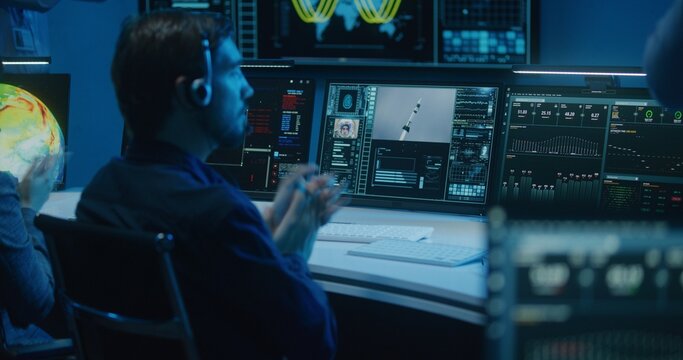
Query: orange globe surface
[28,131]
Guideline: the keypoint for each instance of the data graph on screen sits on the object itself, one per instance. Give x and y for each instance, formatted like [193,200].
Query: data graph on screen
[395,31]
[420,146]
[575,150]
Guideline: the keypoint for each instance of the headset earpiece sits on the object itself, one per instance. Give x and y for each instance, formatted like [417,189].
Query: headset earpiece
[200,92]
[200,89]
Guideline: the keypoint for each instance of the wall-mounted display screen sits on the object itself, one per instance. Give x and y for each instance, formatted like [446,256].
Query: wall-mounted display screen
[393,31]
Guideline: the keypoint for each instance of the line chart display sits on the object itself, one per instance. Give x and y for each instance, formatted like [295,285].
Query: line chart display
[570,149]
[355,30]
[380,31]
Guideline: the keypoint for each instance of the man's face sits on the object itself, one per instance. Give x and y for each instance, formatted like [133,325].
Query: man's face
[227,112]
[345,130]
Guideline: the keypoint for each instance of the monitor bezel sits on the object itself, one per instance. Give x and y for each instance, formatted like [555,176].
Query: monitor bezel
[440,206]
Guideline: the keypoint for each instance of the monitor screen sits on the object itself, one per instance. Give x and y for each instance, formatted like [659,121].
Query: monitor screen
[584,290]
[481,32]
[399,31]
[414,146]
[34,118]
[571,150]
[280,117]
[389,31]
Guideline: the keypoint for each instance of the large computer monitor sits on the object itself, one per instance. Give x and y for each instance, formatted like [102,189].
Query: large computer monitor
[280,117]
[567,149]
[389,31]
[34,118]
[341,29]
[410,145]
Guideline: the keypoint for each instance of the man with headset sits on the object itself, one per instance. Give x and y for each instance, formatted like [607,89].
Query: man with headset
[244,277]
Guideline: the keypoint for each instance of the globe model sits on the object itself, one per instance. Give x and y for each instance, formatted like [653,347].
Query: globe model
[28,131]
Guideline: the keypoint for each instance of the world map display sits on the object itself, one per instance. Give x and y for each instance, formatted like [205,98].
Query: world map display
[28,131]
[351,19]
[346,29]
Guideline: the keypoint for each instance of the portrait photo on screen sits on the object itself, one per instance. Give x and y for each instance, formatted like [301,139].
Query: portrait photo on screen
[345,128]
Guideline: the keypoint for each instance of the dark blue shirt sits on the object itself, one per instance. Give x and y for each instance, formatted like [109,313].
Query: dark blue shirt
[26,283]
[244,298]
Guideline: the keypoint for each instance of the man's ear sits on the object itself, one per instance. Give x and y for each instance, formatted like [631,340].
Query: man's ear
[182,92]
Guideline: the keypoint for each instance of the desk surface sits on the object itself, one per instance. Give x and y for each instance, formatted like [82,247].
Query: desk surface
[457,293]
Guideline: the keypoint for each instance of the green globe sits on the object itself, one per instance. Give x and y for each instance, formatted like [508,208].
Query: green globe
[28,131]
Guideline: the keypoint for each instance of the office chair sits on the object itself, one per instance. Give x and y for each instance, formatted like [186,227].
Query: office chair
[120,291]
[57,349]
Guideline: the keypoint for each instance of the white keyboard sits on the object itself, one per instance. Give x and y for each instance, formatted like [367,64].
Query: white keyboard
[364,233]
[419,252]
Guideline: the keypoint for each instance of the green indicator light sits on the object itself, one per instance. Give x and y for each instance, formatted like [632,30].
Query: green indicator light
[678,115]
[648,114]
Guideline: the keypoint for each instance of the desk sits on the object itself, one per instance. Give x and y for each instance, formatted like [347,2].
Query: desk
[457,293]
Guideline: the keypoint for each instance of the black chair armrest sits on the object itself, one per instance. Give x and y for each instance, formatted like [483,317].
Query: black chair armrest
[55,349]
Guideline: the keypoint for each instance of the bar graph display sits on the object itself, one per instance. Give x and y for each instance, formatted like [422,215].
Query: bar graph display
[543,181]
[614,153]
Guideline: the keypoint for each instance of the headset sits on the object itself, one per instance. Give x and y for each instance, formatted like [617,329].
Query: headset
[200,88]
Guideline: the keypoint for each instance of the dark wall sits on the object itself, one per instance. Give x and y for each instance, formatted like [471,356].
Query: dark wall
[590,32]
[82,35]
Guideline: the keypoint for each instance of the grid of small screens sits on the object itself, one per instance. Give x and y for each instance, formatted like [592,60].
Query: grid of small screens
[412,146]
[570,150]
[280,118]
[34,118]
[386,31]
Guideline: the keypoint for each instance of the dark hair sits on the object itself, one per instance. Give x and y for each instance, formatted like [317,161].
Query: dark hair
[152,51]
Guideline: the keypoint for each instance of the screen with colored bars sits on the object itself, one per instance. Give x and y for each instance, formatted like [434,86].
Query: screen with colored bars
[34,118]
[413,146]
[574,150]
[396,31]
[280,118]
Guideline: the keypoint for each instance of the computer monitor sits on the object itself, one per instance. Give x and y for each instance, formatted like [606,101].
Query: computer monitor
[485,32]
[398,31]
[410,145]
[567,289]
[570,150]
[34,119]
[280,117]
[389,31]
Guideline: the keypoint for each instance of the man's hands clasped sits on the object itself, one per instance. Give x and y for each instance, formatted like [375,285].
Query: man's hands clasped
[303,203]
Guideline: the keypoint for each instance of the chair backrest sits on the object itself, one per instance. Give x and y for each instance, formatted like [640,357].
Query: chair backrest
[120,290]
